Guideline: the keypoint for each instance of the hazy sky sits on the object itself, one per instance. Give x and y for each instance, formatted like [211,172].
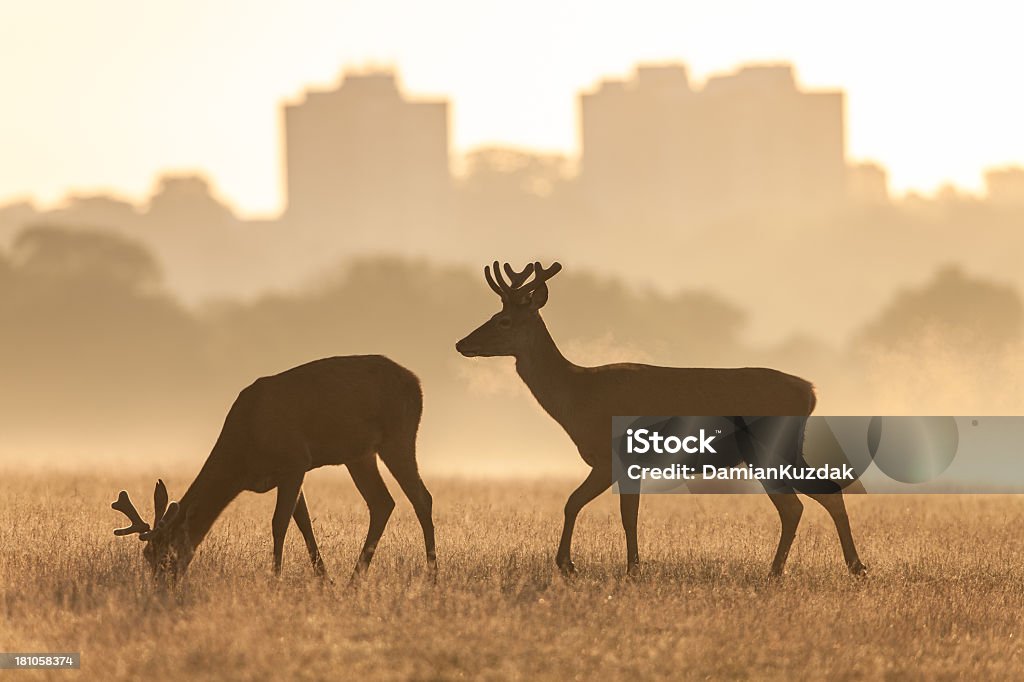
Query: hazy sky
[103,94]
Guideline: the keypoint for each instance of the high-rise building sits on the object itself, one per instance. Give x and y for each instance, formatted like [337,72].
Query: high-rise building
[1005,186]
[364,158]
[867,184]
[656,149]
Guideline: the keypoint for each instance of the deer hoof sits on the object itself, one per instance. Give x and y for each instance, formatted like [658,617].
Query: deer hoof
[858,569]
[567,568]
[633,571]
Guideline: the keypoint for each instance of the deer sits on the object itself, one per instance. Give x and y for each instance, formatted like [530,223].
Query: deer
[583,401]
[346,410]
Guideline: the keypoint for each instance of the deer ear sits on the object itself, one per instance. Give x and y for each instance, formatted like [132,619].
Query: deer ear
[159,501]
[539,297]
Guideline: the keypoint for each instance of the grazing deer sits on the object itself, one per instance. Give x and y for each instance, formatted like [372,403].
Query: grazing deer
[583,401]
[342,410]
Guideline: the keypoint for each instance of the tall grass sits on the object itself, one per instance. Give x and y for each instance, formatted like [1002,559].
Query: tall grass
[944,597]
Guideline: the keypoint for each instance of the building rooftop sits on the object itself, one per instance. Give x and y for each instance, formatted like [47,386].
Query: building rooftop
[374,84]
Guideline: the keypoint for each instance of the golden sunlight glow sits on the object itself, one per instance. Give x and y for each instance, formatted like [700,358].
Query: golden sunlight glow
[106,95]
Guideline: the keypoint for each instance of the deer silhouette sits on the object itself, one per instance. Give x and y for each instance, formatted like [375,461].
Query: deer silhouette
[341,410]
[583,401]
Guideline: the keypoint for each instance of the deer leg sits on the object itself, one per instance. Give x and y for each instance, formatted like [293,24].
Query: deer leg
[790,509]
[405,471]
[836,508]
[629,507]
[593,485]
[301,516]
[366,476]
[288,489]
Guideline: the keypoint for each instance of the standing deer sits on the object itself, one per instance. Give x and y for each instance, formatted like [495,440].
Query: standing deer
[341,410]
[583,401]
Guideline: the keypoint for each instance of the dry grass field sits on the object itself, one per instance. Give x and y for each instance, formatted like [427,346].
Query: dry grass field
[945,597]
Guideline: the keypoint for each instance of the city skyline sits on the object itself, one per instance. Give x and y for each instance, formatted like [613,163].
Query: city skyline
[752,77]
[155,88]
[756,157]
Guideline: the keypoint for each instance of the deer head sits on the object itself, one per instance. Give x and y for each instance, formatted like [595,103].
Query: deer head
[167,547]
[512,330]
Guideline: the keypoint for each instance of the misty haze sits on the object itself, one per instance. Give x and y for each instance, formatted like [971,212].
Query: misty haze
[704,224]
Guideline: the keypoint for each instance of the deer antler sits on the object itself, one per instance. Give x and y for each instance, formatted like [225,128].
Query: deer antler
[490,280]
[159,501]
[498,283]
[517,278]
[515,283]
[124,505]
[168,516]
[541,276]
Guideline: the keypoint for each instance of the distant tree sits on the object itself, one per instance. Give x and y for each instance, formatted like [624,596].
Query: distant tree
[682,328]
[93,256]
[89,334]
[960,312]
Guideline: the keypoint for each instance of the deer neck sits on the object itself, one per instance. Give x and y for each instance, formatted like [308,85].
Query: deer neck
[546,372]
[206,498]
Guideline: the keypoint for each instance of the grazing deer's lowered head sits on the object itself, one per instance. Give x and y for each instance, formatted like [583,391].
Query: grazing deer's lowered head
[168,550]
[517,327]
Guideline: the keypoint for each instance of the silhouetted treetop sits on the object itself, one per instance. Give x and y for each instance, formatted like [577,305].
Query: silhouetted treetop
[965,312]
[95,256]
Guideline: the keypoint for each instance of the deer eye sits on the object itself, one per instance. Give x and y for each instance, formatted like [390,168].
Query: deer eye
[505,323]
